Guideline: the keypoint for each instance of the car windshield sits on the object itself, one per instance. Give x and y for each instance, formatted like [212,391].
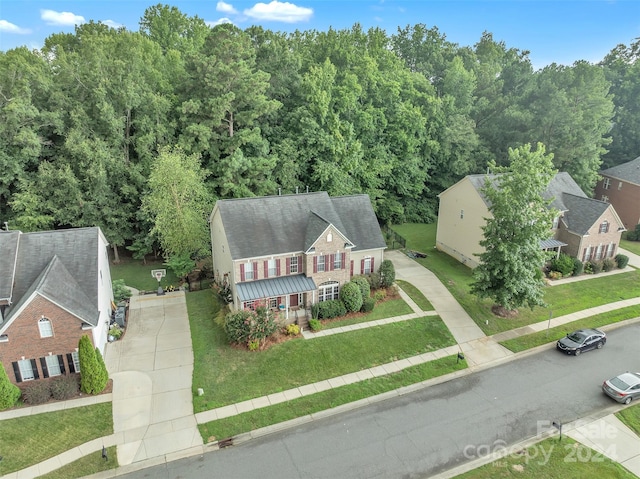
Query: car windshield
[619,383]
[576,337]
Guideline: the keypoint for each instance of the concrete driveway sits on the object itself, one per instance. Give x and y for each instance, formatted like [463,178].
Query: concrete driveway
[152,368]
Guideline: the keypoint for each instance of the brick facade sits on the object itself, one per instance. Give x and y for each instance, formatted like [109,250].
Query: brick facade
[24,339]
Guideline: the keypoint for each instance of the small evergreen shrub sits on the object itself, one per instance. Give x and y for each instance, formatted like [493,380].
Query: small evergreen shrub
[115,331]
[562,264]
[608,264]
[622,260]
[37,393]
[374,280]
[315,325]
[93,372]
[596,266]
[9,392]
[253,345]
[328,309]
[363,284]
[578,267]
[351,296]
[120,290]
[293,329]
[368,305]
[555,275]
[387,273]
[380,295]
[65,387]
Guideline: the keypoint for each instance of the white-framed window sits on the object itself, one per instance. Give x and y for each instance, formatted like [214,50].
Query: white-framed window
[26,370]
[329,238]
[610,249]
[320,263]
[556,222]
[273,271]
[619,185]
[367,265]
[598,252]
[293,265]
[604,227]
[337,261]
[328,291]
[587,254]
[605,198]
[46,330]
[248,271]
[76,361]
[606,183]
[53,365]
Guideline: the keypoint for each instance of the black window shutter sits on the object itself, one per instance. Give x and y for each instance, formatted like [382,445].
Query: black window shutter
[45,370]
[61,363]
[16,371]
[34,366]
[72,368]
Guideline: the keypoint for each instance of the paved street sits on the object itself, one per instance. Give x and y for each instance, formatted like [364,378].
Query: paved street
[426,432]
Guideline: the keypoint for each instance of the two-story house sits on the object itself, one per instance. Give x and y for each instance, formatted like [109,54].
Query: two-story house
[584,228]
[291,251]
[620,186]
[55,286]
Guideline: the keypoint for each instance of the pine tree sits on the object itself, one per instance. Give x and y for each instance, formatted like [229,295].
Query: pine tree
[9,393]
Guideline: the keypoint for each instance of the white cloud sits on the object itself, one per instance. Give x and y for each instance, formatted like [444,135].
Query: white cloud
[225,8]
[61,18]
[112,24]
[218,22]
[11,28]
[279,11]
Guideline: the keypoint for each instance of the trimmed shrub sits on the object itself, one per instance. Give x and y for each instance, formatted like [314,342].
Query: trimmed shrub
[380,295]
[578,267]
[38,393]
[9,392]
[351,296]
[374,280]
[120,290]
[387,273]
[368,305]
[596,266]
[93,372]
[328,309]
[65,387]
[363,284]
[608,264]
[103,374]
[293,329]
[563,264]
[315,325]
[622,260]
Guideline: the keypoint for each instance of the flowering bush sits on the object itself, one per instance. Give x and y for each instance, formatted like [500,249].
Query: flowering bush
[244,327]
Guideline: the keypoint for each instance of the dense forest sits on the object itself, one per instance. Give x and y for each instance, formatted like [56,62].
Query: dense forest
[400,116]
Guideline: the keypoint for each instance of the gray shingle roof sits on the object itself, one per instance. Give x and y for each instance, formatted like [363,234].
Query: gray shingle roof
[8,250]
[76,251]
[629,171]
[273,225]
[582,213]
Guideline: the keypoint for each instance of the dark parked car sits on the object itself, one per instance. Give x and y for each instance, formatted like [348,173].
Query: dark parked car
[582,340]
[623,388]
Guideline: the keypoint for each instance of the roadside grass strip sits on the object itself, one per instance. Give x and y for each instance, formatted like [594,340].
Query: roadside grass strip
[89,464]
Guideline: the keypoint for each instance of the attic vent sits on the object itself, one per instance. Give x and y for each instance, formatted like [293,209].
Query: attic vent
[4,338]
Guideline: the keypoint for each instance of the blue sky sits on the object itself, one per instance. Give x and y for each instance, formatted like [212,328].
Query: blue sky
[560,31]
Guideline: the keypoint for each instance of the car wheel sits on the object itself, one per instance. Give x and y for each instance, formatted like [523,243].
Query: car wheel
[600,344]
[577,353]
[628,400]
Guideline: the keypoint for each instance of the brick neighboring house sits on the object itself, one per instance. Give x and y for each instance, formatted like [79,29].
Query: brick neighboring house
[293,250]
[55,286]
[620,186]
[585,228]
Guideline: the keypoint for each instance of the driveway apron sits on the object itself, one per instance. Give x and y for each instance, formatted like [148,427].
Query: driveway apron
[477,347]
[151,368]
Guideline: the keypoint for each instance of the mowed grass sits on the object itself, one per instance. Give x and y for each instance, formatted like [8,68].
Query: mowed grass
[28,440]
[632,246]
[387,309]
[138,275]
[553,334]
[249,421]
[416,295]
[562,299]
[551,459]
[89,464]
[631,417]
[229,374]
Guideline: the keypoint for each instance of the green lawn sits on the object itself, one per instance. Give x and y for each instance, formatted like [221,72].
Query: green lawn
[551,459]
[416,295]
[562,299]
[138,275]
[388,309]
[633,246]
[553,334]
[229,375]
[28,440]
[631,417]
[331,398]
[90,464]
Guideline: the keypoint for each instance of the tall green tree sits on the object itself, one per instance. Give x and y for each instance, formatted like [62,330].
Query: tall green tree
[178,203]
[93,372]
[510,269]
